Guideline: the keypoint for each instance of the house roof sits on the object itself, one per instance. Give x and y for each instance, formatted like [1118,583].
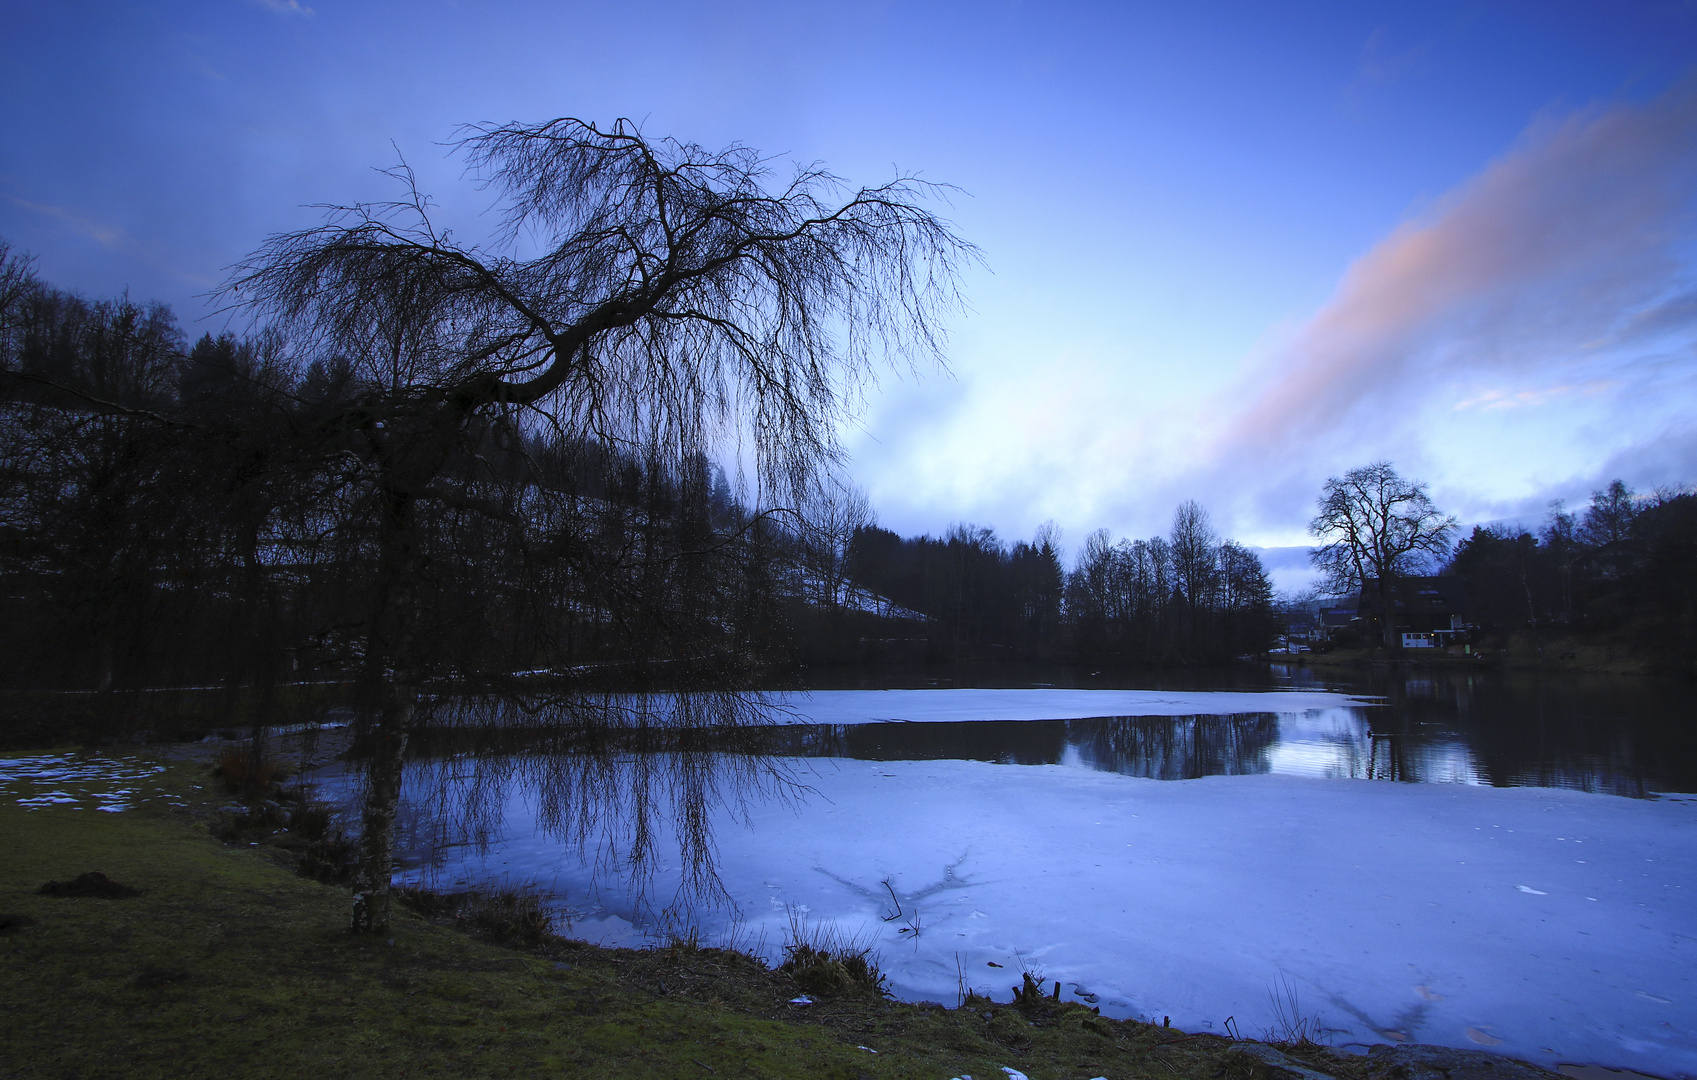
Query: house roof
[1420,596]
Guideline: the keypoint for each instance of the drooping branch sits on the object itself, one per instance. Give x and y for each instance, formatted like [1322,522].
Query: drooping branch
[674,293]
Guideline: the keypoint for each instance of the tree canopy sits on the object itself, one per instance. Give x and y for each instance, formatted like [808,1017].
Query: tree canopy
[646,291]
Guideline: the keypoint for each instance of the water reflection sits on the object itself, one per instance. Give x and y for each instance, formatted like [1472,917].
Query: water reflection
[1322,743]
[1627,737]
[1622,737]
[1611,735]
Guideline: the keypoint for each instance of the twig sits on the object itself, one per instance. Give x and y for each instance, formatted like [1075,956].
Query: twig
[895,900]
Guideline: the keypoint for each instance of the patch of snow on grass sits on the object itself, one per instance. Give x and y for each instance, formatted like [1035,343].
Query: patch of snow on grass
[103,783]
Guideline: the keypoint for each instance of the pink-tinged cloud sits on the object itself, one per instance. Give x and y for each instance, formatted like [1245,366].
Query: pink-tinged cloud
[1564,263]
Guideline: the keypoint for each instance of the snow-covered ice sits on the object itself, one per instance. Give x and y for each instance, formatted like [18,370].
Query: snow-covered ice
[1547,924]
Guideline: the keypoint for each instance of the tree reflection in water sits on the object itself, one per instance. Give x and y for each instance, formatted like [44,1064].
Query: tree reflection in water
[1156,747]
[623,780]
[627,781]
[1177,748]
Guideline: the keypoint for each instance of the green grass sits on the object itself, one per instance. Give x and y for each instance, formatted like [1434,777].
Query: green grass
[229,965]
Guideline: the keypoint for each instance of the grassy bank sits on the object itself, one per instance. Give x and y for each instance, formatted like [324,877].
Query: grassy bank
[228,964]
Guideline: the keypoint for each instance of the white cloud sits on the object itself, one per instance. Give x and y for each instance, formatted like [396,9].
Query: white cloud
[284,7]
[1562,265]
[1531,331]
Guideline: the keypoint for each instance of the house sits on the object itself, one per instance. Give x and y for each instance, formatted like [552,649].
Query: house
[1431,612]
[1339,619]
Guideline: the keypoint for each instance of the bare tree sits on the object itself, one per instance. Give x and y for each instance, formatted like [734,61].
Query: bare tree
[1608,520]
[91,482]
[831,515]
[17,281]
[1195,551]
[1374,527]
[647,293]
[1245,599]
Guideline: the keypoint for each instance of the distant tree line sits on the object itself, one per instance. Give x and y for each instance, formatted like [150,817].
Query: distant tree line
[177,514]
[1186,598]
[1623,570]
[980,598]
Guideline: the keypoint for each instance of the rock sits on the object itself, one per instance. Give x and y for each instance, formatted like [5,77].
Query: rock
[1280,1065]
[1420,1062]
[1416,1062]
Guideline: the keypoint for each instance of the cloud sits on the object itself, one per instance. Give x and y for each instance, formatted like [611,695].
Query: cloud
[1527,336]
[1556,285]
[1381,65]
[107,236]
[285,7]
[1497,399]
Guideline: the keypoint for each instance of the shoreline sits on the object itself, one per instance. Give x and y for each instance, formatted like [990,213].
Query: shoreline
[1556,657]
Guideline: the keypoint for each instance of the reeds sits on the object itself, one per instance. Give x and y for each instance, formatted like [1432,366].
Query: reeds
[820,960]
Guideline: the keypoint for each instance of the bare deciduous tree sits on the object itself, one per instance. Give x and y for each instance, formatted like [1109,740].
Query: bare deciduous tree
[1195,547]
[1374,527]
[832,514]
[646,293]
[1608,520]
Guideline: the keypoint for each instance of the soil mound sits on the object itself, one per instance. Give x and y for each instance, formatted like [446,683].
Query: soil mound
[93,883]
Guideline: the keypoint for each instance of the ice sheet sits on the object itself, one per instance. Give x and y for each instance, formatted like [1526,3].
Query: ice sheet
[1552,925]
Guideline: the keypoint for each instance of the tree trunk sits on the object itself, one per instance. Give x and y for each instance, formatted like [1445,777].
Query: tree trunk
[386,756]
[390,667]
[261,638]
[1387,604]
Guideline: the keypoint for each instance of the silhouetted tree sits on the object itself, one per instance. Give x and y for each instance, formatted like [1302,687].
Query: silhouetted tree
[1374,527]
[1194,546]
[1192,599]
[1609,518]
[829,517]
[647,293]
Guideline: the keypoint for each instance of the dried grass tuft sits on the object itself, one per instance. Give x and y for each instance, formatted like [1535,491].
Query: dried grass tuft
[244,774]
[823,962]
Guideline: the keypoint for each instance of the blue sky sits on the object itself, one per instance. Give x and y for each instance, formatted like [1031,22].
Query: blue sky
[1231,248]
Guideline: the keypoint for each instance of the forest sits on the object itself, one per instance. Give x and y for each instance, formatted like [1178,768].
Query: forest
[178,515]
[1623,572]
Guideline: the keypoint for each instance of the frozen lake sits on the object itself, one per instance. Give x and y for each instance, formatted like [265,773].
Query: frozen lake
[1187,853]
